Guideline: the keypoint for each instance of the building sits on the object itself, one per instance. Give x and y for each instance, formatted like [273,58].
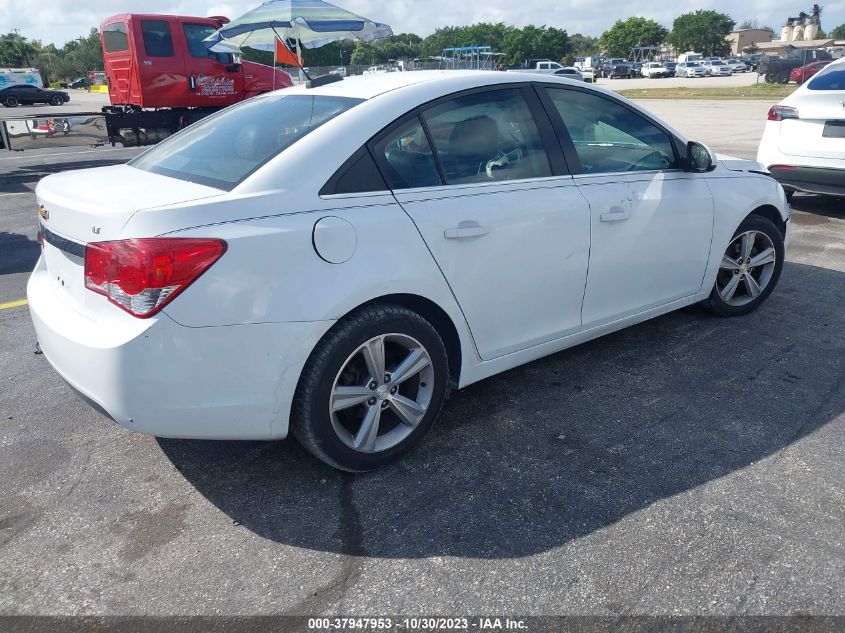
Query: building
[747,38]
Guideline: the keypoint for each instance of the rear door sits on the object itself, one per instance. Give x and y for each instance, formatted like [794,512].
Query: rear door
[651,222]
[490,196]
[213,78]
[819,132]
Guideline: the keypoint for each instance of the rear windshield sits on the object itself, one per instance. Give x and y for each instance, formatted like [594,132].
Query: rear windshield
[222,150]
[832,80]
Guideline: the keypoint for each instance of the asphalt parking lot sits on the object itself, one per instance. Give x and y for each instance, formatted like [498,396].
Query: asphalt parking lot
[688,465]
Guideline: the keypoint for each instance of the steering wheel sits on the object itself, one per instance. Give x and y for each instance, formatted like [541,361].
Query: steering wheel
[507,154]
[641,163]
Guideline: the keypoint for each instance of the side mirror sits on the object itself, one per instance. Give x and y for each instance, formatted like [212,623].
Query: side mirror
[699,158]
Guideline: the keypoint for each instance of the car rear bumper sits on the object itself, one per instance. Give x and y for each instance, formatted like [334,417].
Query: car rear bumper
[161,378]
[818,180]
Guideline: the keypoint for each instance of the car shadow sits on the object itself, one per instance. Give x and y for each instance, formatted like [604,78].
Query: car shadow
[19,253]
[827,206]
[533,458]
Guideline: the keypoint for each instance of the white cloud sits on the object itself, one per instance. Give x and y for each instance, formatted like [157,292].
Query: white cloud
[52,21]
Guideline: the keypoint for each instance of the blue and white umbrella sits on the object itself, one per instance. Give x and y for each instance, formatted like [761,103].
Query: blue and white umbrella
[313,23]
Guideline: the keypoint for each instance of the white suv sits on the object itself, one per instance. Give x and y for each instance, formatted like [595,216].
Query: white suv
[803,145]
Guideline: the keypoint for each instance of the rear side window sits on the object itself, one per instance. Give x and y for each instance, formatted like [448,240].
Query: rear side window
[223,149]
[831,80]
[407,157]
[487,136]
[115,39]
[158,40]
[359,174]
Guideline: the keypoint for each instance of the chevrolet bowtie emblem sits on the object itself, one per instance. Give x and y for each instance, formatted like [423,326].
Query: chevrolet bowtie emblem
[43,213]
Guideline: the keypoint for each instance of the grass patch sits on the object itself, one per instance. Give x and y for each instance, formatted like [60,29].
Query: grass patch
[757,91]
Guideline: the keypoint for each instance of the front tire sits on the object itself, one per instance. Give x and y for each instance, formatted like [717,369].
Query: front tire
[371,389]
[750,268]
[57,101]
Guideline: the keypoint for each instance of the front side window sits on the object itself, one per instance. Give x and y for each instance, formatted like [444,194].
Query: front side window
[158,40]
[194,36]
[609,137]
[223,149]
[487,136]
[115,39]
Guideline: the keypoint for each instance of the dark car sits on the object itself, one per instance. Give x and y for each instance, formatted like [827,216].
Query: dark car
[79,83]
[616,67]
[752,61]
[26,94]
[671,66]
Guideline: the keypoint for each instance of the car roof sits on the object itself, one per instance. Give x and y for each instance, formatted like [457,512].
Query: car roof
[369,86]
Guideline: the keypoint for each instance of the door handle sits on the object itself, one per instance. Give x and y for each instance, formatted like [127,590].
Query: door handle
[616,214]
[462,232]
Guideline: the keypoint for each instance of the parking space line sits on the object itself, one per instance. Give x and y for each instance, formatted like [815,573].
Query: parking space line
[19,193]
[13,304]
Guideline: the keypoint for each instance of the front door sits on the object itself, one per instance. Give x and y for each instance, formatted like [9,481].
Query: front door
[511,238]
[651,222]
[214,80]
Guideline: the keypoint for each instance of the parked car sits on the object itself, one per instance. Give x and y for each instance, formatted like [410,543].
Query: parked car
[541,66]
[803,73]
[569,72]
[752,61]
[803,144]
[76,84]
[654,69]
[689,69]
[588,74]
[737,65]
[25,94]
[616,67]
[345,299]
[670,66]
[716,68]
[340,71]
[636,69]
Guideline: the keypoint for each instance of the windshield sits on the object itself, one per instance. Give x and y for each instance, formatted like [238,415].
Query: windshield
[832,80]
[222,150]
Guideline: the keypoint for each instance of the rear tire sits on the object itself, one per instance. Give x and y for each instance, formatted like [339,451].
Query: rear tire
[750,268]
[355,421]
[11,102]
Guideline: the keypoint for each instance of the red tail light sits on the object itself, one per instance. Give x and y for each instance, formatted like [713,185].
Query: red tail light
[779,113]
[142,276]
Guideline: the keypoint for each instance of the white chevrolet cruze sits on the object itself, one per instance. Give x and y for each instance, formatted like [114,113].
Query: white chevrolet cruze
[330,260]
[803,144]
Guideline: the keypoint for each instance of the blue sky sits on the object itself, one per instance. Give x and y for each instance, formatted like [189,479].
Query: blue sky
[54,22]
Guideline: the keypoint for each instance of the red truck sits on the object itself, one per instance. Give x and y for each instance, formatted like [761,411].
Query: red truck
[162,77]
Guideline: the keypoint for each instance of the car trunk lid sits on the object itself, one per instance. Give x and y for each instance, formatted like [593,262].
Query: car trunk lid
[93,205]
[820,130]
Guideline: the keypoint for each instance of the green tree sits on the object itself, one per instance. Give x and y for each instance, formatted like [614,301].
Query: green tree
[620,38]
[480,34]
[838,33]
[534,42]
[16,51]
[702,31]
[582,45]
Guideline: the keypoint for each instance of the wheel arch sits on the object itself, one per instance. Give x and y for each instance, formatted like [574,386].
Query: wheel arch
[772,214]
[439,319]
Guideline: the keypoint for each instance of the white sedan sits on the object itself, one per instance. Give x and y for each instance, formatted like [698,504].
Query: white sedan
[803,144]
[331,260]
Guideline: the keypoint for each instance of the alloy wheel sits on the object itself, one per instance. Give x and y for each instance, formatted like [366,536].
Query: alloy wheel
[381,393]
[746,269]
